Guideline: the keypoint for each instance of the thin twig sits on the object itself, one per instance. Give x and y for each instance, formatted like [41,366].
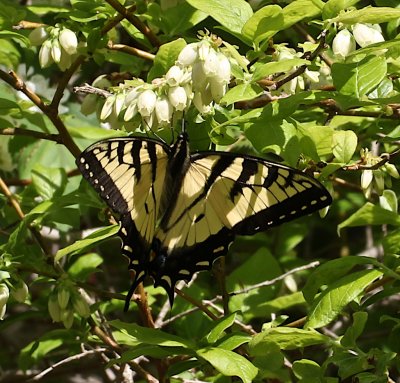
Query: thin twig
[89,89]
[195,302]
[131,51]
[127,14]
[273,281]
[385,157]
[65,361]
[12,79]
[31,133]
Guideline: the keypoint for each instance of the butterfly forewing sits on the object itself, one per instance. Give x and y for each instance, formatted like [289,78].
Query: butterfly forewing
[129,173]
[223,195]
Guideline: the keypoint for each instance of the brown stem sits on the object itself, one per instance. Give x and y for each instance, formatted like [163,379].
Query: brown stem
[196,303]
[12,79]
[135,21]
[31,133]
[131,50]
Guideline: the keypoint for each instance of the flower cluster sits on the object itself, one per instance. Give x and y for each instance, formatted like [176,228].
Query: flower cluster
[200,75]
[363,34]
[297,83]
[64,301]
[58,45]
[374,179]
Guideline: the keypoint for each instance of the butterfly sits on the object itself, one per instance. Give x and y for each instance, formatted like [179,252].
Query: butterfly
[179,211]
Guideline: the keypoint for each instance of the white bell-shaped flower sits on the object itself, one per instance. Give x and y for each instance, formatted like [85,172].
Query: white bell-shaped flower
[188,55]
[178,98]
[146,103]
[68,41]
[365,35]
[343,44]
[163,110]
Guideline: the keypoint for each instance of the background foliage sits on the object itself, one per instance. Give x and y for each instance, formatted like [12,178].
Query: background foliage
[327,307]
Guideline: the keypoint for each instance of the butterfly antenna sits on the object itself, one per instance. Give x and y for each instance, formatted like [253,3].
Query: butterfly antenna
[149,131]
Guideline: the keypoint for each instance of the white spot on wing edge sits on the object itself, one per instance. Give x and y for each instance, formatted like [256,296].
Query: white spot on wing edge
[217,250]
[203,263]
[184,272]
[127,248]
[123,231]
[167,279]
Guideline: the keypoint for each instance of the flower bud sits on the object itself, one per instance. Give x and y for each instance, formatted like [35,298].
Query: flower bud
[366,178]
[379,181]
[163,110]
[198,77]
[89,104]
[391,170]
[67,318]
[343,44]
[365,35]
[4,295]
[65,60]
[119,103]
[20,291]
[38,36]
[131,96]
[63,296]
[45,58]
[68,41]
[211,64]
[200,105]
[224,69]
[55,51]
[107,107]
[218,89]
[174,76]
[146,103]
[81,306]
[178,98]
[54,308]
[312,75]
[188,55]
[131,111]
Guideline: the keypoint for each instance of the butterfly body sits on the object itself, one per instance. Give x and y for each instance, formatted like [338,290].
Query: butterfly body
[180,211]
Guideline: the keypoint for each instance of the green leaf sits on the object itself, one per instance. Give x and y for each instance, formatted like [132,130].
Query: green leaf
[165,58]
[330,272]
[287,338]
[344,144]
[368,15]
[358,79]
[49,182]
[231,14]
[333,7]
[241,92]
[263,24]
[355,330]
[17,36]
[283,66]
[84,266]
[91,240]
[307,370]
[330,303]
[219,327]
[229,363]
[150,336]
[234,340]
[370,214]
